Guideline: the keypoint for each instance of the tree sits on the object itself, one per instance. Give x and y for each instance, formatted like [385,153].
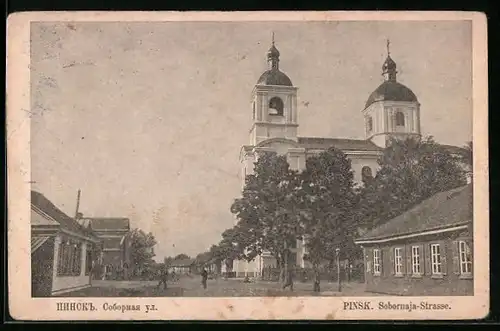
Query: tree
[327,200]
[410,171]
[267,211]
[142,251]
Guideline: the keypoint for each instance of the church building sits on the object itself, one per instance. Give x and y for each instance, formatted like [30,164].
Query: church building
[392,110]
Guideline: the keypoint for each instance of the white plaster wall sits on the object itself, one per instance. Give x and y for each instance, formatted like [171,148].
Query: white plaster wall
[358,162]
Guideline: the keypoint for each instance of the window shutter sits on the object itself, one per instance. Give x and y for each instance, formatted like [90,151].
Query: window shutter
[470,243]
[392,260]
[381,252]
[455,253]
[444,252]
[408,251]
[421,259]
[368,261]
[426,252]
[407,255]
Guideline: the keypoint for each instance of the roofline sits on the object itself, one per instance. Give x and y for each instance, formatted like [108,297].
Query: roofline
[44,214]
[269,87]
[81,236]
[60,227]
[436,230]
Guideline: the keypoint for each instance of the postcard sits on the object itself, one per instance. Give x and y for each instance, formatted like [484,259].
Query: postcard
[247,165]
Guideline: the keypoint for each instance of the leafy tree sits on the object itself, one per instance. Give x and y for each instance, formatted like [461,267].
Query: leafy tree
[410,171]
[267,211]
[142,250]
[327,199]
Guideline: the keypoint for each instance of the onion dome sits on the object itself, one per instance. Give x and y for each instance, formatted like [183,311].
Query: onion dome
[390,89]
[273,76]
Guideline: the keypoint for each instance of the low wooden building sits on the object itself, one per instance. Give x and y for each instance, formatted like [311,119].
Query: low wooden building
[115,261]
[62,251]
[427,250]
[182,266]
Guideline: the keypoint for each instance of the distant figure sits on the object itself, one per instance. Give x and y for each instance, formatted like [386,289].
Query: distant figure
[163,278]
[316,281]
[289,280]
[174,276]
[204,277]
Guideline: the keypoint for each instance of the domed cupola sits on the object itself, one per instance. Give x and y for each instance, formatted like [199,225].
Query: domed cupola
[392,110]
[273,76]
[390,89]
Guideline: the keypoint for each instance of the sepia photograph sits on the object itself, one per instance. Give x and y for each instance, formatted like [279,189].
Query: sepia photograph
[246,158]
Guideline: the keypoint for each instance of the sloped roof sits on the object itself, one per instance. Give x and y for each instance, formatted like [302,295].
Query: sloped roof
[442,210]
[182,263]
[453,149]
[339,143]
[45,205]
[109,223]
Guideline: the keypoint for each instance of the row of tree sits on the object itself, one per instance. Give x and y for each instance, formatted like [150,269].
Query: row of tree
[323,205]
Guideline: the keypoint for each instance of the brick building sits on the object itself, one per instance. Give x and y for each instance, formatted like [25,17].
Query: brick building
[114,233]
[62,251]
[427,250]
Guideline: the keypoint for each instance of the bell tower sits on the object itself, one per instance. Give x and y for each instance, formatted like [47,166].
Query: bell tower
[392,110]
[274,103]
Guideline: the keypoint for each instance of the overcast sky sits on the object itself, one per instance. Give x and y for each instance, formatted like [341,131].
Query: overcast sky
[147,119]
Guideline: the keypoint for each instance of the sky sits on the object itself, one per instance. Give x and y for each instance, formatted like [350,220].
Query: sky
[148,119]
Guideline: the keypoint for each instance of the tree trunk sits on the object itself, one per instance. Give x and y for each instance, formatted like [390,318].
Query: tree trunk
[316,278]
[285,263]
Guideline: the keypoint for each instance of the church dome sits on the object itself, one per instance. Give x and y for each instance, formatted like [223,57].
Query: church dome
[273,52]
[274,77]
[391,91]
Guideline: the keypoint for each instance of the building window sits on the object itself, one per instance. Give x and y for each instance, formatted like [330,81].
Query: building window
[69,259]
[366,174]
[400,119]
[369,124]
[276,106]
[377,263]
[436,259]
[415,260]
[465,257]
[398,261]
[253,106]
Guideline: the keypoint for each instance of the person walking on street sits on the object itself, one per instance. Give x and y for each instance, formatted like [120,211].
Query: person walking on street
[289,281]
[316,280]
[163,278]
[204,277]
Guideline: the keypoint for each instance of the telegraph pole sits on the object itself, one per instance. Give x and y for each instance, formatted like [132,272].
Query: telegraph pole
[77,203]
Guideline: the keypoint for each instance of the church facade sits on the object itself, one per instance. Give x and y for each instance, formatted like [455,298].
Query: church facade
[392,110]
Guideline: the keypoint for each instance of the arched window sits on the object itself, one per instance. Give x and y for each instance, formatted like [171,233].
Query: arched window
[369,124]
[366,174]
[276,106]
[253,106]
[400,119]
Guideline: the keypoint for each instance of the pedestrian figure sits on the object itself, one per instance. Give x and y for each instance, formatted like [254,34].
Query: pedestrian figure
[204,277]
[163,278]
[289,281]
[316,281]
